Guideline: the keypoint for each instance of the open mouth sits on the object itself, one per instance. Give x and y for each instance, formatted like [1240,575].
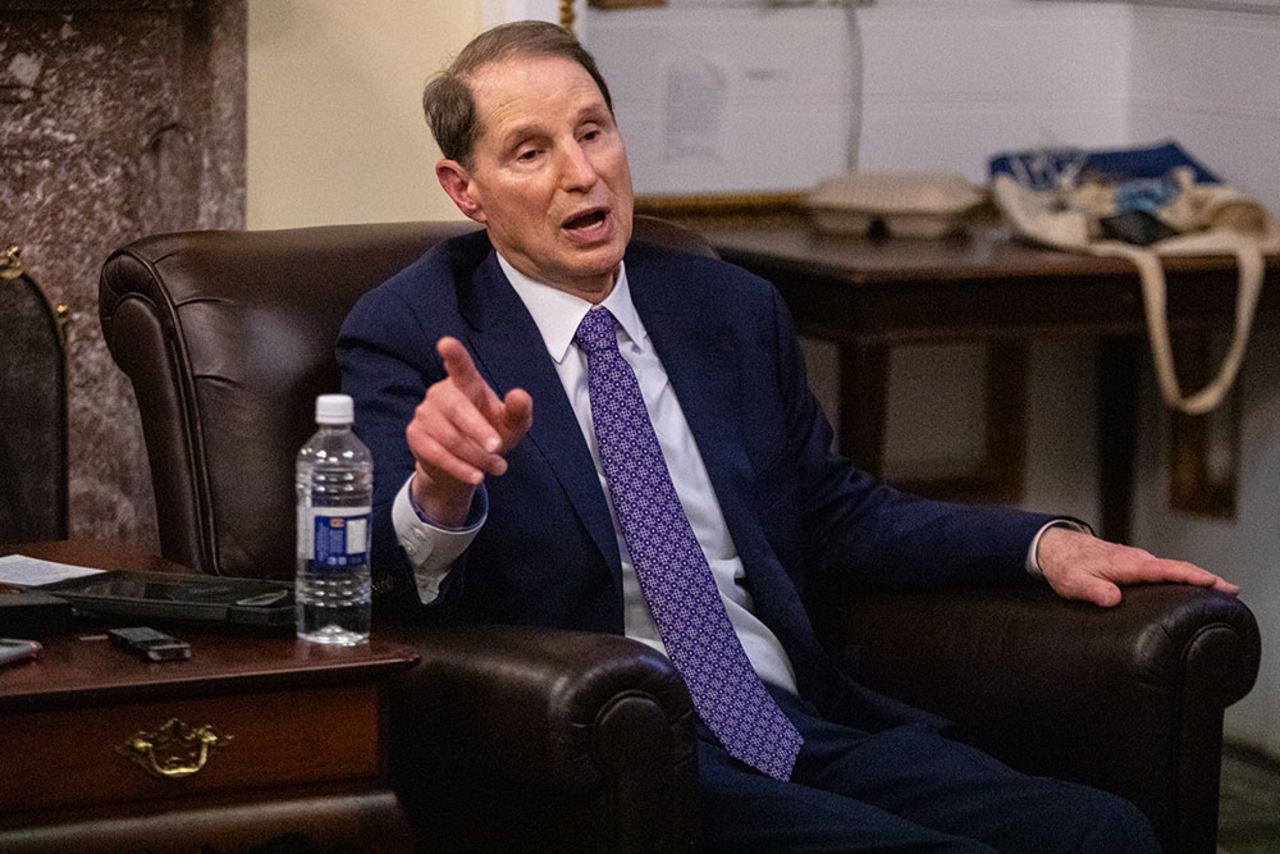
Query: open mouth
[586,221]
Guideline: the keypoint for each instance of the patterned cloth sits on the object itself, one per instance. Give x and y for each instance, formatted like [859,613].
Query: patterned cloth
[671,567]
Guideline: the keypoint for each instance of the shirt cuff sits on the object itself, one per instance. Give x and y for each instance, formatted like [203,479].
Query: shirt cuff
[1033,564]
[431,547]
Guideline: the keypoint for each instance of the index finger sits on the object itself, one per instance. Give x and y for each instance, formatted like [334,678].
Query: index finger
[458,364]
[1164,569]
[466,377]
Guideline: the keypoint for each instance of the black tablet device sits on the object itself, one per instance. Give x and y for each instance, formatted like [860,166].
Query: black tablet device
[199,598]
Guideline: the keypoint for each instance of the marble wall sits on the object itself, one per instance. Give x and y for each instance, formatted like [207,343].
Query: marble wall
[118,118]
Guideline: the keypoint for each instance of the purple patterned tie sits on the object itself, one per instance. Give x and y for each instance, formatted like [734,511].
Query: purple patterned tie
[673,571]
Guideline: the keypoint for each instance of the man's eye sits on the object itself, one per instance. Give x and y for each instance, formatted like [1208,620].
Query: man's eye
[591,135]
[527,155]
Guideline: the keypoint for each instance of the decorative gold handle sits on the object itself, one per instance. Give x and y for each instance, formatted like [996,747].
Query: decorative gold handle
[62,315]
[11,263]
[175,750]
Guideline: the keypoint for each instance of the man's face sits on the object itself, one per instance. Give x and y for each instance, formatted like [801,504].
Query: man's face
[549,175]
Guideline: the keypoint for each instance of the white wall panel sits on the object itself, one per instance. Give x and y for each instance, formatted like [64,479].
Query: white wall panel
[960,137]
[1212,79]
[948,83]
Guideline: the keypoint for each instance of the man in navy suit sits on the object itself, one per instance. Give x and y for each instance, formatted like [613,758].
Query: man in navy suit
[492,503]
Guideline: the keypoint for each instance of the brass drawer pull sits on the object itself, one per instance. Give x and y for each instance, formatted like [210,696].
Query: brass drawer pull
[175,750]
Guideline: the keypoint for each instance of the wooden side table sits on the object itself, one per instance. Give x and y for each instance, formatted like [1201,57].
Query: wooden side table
[868,295]
[253,738]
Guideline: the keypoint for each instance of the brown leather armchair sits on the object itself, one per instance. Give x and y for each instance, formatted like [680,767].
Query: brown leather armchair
[529,739]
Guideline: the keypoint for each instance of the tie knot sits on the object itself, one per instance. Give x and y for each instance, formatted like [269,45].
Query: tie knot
[596,331]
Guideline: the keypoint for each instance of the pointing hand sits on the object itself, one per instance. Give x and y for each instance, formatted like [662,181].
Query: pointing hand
[461,432]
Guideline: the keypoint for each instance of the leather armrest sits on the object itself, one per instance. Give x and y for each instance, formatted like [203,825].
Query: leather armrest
[961,652]
[499,719]
[1129,699]
[542,705]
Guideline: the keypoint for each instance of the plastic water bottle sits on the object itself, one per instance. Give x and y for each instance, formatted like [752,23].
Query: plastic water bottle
[335,498]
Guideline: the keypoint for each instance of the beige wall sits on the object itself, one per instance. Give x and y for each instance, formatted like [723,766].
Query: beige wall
[335,127]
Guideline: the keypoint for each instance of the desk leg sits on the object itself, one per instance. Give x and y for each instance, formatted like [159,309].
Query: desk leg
[864,392]
[1117,440]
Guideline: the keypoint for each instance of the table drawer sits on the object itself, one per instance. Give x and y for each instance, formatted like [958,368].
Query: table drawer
[116,753]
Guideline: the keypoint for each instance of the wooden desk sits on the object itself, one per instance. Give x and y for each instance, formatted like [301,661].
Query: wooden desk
[298,734]
[867,295]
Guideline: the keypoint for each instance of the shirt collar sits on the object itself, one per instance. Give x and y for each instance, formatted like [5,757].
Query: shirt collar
[557,313]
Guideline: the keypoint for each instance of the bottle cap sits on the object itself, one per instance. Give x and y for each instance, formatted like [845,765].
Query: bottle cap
[335,409]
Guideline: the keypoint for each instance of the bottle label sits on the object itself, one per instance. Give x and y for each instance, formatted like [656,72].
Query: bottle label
[334,537]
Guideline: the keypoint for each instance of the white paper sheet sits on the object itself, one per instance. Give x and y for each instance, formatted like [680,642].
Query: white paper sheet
[33,572]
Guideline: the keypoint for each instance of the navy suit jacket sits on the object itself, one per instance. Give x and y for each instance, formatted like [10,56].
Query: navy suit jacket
[548,554]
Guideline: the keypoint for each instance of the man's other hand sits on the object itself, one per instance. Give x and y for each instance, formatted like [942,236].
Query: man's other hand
[461,432]
[1081,566]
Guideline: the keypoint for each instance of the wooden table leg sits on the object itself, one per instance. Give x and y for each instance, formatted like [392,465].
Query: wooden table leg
[864,393]
[1117,439]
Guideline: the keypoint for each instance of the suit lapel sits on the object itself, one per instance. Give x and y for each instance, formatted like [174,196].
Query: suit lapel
[700,355]
[509,352]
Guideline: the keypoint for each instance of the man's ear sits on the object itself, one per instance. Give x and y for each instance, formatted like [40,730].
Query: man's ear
[456,181]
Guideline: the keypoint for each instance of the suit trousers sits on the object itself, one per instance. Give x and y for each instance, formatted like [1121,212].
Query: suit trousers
[906,789]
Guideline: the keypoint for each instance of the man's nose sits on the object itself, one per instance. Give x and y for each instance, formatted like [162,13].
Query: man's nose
[577,171]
